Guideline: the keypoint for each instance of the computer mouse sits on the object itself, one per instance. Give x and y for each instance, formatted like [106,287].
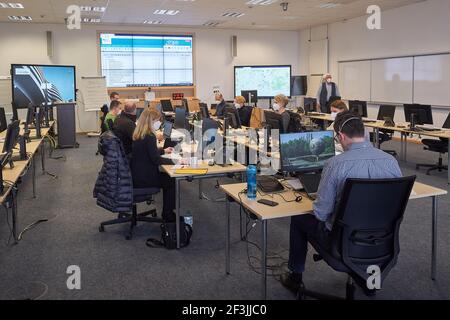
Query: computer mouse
[211,162]
[299,199]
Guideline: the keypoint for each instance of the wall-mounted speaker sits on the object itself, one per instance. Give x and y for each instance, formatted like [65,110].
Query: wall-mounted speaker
[49,44]
[234,51]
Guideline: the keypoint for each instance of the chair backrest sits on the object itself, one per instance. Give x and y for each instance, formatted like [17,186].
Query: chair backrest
[367,223]
[295,123]
[386,111]
[446,124]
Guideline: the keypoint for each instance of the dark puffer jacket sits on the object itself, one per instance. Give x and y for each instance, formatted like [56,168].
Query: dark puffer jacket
[114,186]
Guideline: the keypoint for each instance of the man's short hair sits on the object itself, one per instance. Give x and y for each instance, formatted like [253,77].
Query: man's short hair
[349,124]
[114,104]
[130,107]
[113,94]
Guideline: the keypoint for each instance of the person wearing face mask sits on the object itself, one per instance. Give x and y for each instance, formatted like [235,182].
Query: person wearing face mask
[327,91]
[146,159]
[245,112]
[279,106]
[221,104]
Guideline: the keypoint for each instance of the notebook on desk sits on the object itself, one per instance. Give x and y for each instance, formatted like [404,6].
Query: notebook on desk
[191,171]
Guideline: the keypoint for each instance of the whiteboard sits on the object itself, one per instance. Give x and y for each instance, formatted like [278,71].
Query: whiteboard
[94,93]
[354,80]
[5,93]
[392,80]
[431,85]
[318,57]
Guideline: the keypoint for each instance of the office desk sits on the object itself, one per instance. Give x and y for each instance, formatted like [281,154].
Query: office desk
[401,128]
[12,175]
[215,171]
[265,213]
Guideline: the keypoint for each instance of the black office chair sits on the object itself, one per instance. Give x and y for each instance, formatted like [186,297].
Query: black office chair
[139,196]
[440,146]
[385,134]
[120,197]
[365,231]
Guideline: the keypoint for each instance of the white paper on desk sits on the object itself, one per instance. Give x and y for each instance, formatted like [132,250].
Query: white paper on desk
[413,193]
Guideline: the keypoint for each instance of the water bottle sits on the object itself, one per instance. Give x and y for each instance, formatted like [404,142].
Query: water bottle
[251,182]
[188,219]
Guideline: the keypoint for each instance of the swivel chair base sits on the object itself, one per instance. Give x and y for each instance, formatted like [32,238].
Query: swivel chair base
[133,218]
[439,166]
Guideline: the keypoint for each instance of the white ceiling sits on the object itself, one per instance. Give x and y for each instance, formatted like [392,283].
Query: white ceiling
[300,14]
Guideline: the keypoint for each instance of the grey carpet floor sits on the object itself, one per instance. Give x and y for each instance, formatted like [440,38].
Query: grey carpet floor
[113,268]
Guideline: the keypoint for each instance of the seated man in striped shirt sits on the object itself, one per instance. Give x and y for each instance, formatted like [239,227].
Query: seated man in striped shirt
[359,160]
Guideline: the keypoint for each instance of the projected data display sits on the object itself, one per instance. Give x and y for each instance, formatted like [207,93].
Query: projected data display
[146,60]
[268,80]
[38,84]
[306,151]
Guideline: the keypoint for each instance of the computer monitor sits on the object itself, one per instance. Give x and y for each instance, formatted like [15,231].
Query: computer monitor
[250,95]
[204,110]
[386,111]
[167,129]
[166,106]
[310,104]
[299,85]
[422,114]
[139,112]
[306,151]
[358,107]
[232,113]
[273,121]
[181,121]
[12,136]
[30,118]
[3,123]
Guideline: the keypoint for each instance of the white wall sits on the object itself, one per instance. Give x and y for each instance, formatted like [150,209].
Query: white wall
[415,29]
[26,43]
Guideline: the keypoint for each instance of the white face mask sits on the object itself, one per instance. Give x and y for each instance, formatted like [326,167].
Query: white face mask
[237,105]
[329,80]
[276,106]
[156,125]
[333,115]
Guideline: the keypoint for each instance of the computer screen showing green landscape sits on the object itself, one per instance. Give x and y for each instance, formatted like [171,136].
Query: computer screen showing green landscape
[306,151]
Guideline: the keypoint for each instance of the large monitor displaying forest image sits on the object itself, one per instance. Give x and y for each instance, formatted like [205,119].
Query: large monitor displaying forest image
[306,151]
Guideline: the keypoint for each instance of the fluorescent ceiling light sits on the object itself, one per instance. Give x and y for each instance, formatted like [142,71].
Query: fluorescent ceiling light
[260,2]
[152,22]
[91,20]
[11,5]
[329,5]
[233,14]
[20,18]
[93,9]
[166,12]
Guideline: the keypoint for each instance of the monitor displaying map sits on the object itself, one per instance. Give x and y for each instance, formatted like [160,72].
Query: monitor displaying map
[269,81]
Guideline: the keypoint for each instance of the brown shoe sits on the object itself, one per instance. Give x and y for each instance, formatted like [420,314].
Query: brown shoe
[292,281]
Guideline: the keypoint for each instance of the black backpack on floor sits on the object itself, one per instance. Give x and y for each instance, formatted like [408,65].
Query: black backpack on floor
[169,235]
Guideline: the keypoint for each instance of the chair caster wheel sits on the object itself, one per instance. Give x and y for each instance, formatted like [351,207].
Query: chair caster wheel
[153,214]
[101,229]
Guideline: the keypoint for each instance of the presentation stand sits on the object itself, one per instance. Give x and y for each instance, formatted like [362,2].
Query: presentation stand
[65,113]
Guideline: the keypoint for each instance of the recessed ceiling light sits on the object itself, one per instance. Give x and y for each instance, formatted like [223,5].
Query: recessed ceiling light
[166,12]
[212,23]
[260,2]
[91,20]
[20,18]
[233,14]
[152,22]
[93,9]
[11,5]
[329,5]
